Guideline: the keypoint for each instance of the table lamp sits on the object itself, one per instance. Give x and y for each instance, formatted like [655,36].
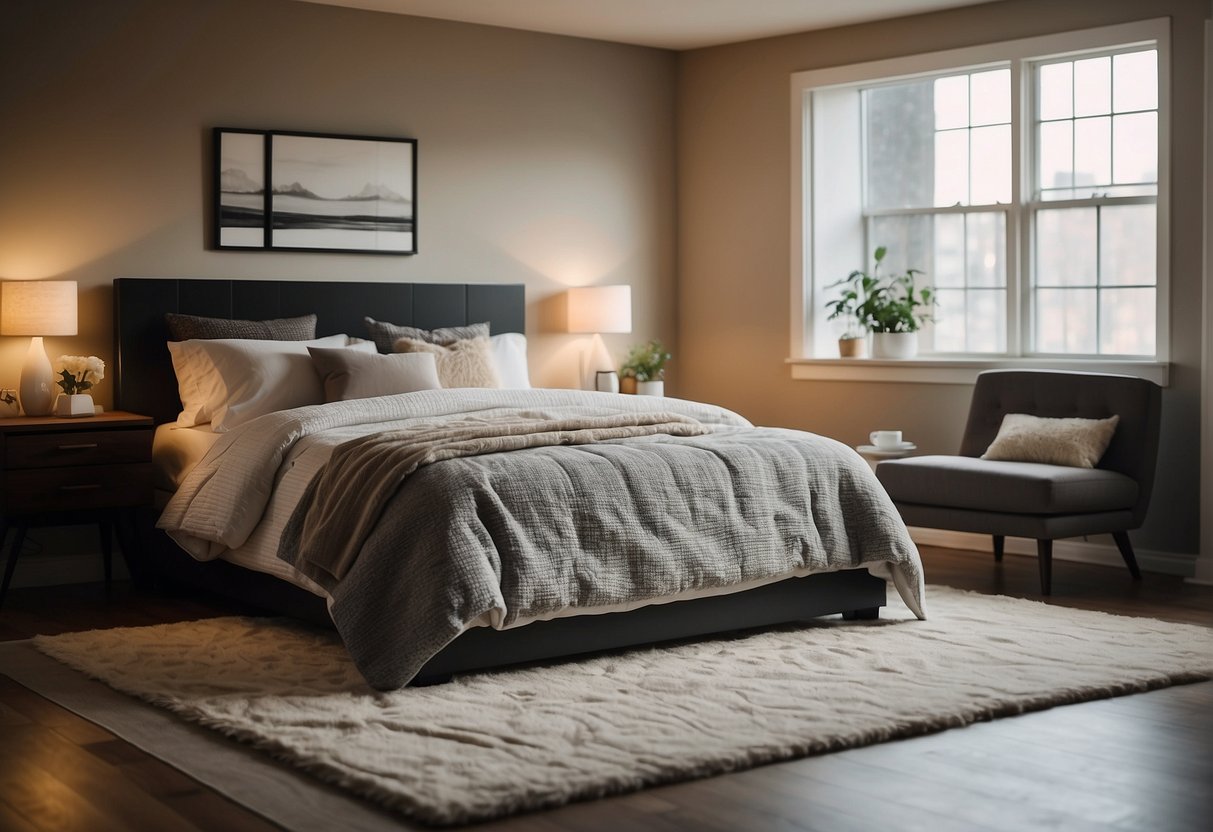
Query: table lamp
[37,308]
[594,310]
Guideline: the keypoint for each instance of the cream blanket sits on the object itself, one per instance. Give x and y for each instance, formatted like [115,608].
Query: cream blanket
[343,504]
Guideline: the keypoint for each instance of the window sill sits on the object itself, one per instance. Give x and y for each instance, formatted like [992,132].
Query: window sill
[961,370]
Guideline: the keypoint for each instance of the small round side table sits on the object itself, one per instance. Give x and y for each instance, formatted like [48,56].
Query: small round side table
[874,454]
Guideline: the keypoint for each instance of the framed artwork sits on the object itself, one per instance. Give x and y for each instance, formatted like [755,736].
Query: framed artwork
[292,191]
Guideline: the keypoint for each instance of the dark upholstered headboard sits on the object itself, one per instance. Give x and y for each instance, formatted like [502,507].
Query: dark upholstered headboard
[143,370]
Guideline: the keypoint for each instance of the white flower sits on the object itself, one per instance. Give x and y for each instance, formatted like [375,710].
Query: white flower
[78,372]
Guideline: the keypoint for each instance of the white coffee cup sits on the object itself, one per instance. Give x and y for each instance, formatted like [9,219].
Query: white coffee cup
[886,438]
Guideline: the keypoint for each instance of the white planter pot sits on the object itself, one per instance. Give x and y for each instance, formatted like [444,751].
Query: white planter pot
[650,388]
[80,404]
[894,344]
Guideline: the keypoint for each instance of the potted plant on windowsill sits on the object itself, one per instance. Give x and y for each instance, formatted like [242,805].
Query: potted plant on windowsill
[891,308]
[646,366]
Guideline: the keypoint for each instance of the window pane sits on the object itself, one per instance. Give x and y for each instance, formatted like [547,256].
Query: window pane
[1127,246]
[1056,154]
[987,321]
[949,327]
[986,246]
[900,164]
[1092,151]
[952,102]
[949,266]
[991,165]
[1065,247]
[990,94]
[1092,86]
[1135,76]
[1065,320]
[1055,91]
[908,240]
[1126,322]
[951,167]
[1135,148]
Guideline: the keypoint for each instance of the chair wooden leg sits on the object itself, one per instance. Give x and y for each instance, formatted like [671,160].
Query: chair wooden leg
[1126,552]
[999,543]
[1044,554]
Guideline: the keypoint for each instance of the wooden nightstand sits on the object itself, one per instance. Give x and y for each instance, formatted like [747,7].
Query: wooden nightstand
[53,471]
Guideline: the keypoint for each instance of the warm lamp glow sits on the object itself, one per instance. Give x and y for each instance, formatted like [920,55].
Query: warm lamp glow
[595,309]
[38,307]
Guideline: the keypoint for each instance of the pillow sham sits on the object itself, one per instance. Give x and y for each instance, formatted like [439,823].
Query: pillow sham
[509,356]
[228,381]
[466,363]
[1073,442]
[386,334]
[190,327]
[356,374]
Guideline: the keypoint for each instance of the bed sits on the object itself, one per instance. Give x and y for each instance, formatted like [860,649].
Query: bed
[145,383]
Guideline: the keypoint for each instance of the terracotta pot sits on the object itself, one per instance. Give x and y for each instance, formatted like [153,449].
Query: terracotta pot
[627,384]
[853,347]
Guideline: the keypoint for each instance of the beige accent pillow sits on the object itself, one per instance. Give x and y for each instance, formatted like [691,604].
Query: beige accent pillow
[351,374]
[1076,443]
[467,363]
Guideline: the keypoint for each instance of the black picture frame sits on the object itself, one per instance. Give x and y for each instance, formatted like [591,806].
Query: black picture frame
[290,190]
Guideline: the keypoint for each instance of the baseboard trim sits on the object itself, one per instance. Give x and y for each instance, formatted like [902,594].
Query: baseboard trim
[1100,550]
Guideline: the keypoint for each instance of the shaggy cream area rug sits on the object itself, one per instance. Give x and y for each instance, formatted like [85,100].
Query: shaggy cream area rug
[488,745]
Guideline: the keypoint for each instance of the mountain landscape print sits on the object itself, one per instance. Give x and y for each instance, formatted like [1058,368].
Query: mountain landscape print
[241,197]
[342,194]
[296,191]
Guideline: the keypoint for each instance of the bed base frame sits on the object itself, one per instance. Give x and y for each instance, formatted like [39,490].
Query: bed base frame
[144,383]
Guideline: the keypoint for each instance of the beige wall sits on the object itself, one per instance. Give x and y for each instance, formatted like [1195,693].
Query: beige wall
[542,159]
[733,243]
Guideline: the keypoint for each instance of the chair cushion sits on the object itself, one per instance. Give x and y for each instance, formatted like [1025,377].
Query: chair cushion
[1008,487]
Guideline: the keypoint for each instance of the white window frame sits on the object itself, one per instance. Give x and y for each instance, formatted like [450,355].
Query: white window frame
[1021,55]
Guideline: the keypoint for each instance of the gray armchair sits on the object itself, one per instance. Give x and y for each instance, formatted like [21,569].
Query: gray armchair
[1024,499]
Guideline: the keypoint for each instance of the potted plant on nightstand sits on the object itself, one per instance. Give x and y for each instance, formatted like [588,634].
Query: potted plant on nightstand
[891,308]
[646,364]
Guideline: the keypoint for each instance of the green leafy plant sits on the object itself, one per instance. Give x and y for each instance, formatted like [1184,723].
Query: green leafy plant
[646,362]
[874,303]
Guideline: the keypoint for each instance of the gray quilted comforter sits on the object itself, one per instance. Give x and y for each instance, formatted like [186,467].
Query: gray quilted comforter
[530,533]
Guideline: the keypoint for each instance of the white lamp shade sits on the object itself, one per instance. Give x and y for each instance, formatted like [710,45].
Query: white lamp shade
[38,307]
[594,309]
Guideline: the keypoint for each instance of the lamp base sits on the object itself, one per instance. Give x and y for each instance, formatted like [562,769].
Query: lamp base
[37,389]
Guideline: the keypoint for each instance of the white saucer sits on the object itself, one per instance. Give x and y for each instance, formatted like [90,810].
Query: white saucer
[898,450]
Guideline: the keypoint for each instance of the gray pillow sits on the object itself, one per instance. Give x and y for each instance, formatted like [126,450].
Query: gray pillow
[353,374]
[386,334]
[190,327]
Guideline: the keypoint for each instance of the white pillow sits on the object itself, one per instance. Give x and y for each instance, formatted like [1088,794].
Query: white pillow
[228,381]
[509,354]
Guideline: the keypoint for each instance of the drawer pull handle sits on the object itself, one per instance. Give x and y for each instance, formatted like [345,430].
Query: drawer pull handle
[78,447]
[87,487]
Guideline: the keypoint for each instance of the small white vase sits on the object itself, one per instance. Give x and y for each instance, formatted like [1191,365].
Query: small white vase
[74,406]
[650,388]
[894,344]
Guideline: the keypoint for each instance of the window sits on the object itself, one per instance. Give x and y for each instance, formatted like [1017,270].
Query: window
[1024,178]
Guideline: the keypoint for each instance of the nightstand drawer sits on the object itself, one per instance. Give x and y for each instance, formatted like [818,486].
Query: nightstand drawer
[77,488]
[98,447]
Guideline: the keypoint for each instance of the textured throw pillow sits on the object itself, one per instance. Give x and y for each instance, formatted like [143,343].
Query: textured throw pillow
[1077,443]
[228,381]
[385,334]
[466,363]
[188,327]
[354,374]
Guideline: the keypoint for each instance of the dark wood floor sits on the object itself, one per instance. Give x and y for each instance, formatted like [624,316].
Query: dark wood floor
[1142,762]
